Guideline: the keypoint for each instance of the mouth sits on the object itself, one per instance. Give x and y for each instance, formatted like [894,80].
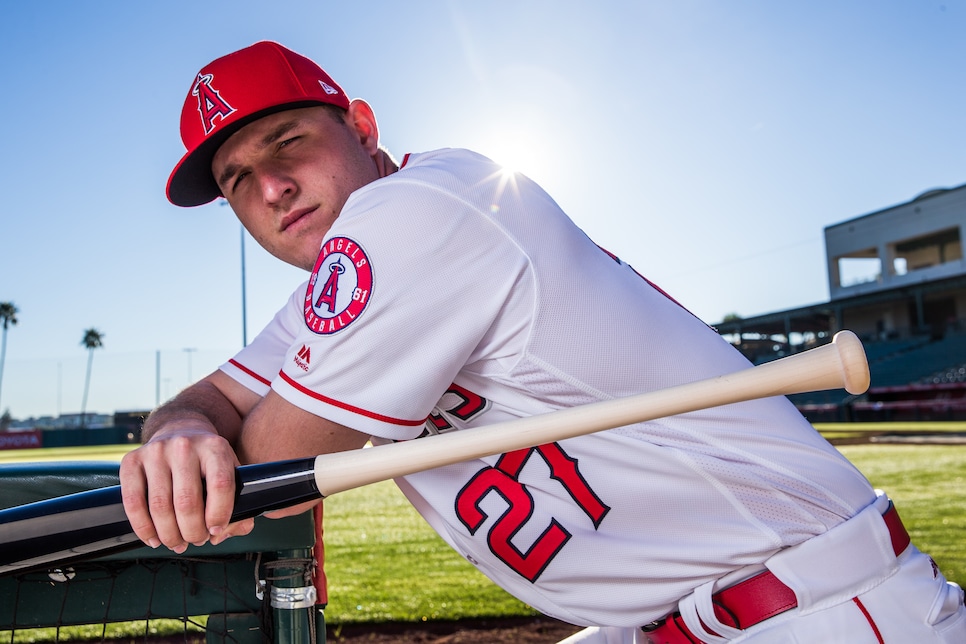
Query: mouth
[293,217]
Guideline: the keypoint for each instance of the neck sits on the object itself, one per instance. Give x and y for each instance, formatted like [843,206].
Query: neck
[385,164]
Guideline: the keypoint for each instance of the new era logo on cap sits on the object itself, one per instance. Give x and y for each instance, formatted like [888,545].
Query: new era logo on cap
[235,90]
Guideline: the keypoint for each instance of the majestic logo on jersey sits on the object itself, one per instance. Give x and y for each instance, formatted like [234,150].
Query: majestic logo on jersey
[210,102]
[340,286]
[303,358]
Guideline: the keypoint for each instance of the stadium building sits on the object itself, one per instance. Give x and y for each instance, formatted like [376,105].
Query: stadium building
[897,278]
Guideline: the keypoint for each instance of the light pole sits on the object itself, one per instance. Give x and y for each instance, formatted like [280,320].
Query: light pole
[224,202]
[189,352]
[244,306]
[157,378]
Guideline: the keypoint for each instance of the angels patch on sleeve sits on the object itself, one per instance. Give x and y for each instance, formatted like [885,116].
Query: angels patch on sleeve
[340,287]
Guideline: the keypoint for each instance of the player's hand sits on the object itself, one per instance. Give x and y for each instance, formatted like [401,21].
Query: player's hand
[179,488]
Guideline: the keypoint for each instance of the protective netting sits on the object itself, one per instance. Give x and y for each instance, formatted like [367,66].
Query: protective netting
[267,586]
[213,598]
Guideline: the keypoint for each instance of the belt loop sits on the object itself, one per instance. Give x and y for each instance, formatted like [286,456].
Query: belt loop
[697,611]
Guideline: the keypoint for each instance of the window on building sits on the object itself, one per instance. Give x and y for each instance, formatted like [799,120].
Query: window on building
[859,268]
[930,250]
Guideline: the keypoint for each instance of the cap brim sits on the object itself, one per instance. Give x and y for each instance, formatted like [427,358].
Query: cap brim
[191,182]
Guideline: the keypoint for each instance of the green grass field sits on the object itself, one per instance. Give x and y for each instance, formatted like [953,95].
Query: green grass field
[834,431]
[84,453]
[385,564]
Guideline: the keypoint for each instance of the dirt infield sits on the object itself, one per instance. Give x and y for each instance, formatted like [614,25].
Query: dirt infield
[514,630]
[535,630]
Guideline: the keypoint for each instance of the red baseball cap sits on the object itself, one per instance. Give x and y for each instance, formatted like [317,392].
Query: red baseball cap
[231,92]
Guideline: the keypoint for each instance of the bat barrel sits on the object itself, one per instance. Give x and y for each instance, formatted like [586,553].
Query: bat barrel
[855,365]
[839,364]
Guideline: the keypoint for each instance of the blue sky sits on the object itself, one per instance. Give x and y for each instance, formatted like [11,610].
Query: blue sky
[706,142]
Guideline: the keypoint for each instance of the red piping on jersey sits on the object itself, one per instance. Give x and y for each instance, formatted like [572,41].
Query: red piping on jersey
[404,161]
[354,410]
[875,629]
[250,372]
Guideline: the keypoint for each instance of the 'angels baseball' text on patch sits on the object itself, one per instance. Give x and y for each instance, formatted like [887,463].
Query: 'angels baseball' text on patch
[340,286]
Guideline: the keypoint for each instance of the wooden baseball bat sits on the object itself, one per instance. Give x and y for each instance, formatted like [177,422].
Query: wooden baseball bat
[50,533]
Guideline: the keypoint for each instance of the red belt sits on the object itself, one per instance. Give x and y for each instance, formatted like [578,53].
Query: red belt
[756,599]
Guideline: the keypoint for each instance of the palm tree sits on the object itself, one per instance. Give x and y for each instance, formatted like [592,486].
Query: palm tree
[8,315]
[92,340]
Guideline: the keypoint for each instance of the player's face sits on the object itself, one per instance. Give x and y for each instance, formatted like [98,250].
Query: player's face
[287,176]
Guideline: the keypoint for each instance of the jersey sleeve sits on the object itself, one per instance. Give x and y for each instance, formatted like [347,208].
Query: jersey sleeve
[259,363]
[406,289]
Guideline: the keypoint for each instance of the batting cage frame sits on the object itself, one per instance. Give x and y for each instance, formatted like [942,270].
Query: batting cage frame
[267,586]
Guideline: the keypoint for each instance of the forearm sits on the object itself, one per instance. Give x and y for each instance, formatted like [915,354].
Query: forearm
[203,405]
[179,487]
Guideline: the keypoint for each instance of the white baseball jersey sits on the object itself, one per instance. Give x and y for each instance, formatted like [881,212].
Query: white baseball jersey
[451,295]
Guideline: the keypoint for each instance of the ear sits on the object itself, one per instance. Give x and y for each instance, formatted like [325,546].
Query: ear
[362,119]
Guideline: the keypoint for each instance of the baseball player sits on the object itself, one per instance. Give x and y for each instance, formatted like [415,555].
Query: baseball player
[446,294]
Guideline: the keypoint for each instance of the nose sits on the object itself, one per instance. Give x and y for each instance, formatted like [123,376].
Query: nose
[276,185]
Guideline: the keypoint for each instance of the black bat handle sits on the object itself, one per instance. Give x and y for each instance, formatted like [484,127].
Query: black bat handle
[85,525]
[265,487]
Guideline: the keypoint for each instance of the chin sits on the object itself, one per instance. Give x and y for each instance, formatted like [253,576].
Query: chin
[305,264]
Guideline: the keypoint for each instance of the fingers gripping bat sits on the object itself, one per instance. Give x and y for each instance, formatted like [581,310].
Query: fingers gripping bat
[88,524]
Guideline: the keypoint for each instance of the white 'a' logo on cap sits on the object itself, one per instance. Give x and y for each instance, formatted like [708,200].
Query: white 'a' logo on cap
[210,102]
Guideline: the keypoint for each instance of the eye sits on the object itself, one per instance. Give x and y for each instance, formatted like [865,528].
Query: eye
[288,141]
[241,176]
